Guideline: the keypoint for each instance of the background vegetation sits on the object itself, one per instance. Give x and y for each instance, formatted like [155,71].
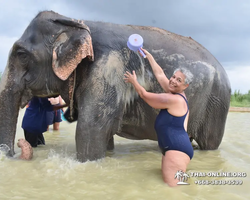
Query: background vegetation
[240,100]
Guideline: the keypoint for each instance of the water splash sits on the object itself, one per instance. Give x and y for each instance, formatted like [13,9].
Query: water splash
[4,149]
[59,164]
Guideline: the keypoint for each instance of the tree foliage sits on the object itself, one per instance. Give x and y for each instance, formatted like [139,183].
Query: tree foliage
[240,100]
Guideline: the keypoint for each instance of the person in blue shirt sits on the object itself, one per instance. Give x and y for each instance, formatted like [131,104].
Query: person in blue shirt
[35,121]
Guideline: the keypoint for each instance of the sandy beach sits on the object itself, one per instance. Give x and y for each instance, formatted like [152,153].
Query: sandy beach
[239,109]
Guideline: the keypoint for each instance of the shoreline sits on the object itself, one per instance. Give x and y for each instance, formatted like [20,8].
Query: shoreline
[239,109]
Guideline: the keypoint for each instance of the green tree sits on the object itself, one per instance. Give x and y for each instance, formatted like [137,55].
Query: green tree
[240,100]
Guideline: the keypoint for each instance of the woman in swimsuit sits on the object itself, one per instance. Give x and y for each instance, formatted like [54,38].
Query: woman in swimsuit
[171,123]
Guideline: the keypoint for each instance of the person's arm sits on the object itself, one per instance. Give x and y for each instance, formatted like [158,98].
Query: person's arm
[157,70]
[54,100]
[61,102]
[157,101]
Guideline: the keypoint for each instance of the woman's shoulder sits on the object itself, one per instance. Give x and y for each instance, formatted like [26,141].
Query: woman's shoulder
[178,98]
[182,95]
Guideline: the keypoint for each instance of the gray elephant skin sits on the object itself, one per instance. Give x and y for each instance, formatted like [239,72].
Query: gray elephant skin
[56,51]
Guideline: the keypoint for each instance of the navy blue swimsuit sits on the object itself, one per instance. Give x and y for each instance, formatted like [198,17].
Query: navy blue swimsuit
[171,133]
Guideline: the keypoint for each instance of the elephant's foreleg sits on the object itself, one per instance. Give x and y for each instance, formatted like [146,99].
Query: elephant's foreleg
[90,142]
[94,133]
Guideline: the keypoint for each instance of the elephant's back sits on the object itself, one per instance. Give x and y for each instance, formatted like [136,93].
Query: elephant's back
[170,50]
[154,39]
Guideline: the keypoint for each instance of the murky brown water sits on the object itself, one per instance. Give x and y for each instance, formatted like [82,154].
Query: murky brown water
[130,172]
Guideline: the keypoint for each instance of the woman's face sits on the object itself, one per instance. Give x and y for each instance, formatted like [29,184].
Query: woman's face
[177,83]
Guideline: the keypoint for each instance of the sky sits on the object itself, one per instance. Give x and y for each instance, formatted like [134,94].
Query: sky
[221,26]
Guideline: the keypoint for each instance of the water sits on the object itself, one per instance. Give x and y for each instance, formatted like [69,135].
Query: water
[130,172]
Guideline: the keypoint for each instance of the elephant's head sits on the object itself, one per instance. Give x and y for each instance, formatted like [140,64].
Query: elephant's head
[39,64]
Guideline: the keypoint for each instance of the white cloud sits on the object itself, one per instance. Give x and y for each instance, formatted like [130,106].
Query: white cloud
[239,77]
[224,33]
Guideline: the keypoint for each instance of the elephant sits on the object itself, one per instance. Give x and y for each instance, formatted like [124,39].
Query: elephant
[85,62]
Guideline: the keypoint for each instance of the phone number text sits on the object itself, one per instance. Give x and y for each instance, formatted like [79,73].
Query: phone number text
[218,182]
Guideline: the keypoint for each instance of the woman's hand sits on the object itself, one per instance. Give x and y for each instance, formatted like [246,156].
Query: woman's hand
[130,78]
[54,101]
[145,52]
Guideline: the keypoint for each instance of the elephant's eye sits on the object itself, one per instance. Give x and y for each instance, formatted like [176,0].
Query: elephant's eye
[23,56]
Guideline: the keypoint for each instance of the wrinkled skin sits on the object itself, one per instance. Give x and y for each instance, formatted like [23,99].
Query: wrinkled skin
[53,46]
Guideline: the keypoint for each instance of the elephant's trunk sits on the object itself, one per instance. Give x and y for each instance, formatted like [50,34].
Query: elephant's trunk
[10,99]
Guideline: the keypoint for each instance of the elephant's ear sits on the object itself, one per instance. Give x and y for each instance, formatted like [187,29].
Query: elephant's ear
[71,47]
